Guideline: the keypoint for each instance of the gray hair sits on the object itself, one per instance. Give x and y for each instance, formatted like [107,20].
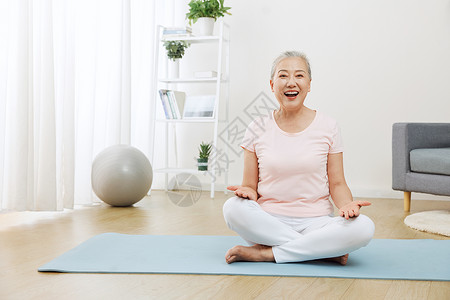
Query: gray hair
[287,54]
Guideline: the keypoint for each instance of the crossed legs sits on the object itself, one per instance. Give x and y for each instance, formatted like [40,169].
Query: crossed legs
[286,239]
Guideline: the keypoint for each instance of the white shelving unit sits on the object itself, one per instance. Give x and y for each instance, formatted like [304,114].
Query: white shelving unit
[221,82]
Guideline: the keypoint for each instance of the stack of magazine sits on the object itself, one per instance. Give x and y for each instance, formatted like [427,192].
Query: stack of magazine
[177,31]
[173,103]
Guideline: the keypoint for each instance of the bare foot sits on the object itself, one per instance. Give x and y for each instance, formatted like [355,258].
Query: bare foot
[340,259]
[252,253]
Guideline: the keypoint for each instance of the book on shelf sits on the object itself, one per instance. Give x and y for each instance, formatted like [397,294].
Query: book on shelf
[170,37]
[177,99]
[165,104]
[173,103]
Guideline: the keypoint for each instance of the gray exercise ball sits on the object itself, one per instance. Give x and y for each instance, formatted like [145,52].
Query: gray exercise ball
[121,175]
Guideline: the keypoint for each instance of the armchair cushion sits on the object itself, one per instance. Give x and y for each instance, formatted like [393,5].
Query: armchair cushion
[431,161]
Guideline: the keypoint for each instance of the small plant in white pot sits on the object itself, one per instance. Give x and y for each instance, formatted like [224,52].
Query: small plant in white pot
[175,51]
[203,155]
[206,13]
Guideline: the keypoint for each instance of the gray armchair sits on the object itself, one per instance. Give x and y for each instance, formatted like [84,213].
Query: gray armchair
[421,159]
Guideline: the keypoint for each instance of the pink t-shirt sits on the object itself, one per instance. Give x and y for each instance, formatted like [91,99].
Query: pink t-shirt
[293,178]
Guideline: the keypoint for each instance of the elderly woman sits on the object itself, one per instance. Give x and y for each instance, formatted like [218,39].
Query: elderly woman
[293,164]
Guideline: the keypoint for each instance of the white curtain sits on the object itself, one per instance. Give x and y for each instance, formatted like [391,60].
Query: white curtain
[75,77]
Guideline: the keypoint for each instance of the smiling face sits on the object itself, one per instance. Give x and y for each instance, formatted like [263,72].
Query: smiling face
[291,83]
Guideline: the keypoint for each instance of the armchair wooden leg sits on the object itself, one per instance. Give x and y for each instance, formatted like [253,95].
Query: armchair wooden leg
[407,201]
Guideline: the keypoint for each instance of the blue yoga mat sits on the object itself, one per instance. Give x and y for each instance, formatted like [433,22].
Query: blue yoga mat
[175,254]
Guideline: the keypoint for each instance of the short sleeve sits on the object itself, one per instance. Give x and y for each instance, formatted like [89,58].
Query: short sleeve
[248,142]
[337,145]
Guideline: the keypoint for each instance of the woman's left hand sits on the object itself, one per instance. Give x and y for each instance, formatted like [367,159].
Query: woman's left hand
[351,210]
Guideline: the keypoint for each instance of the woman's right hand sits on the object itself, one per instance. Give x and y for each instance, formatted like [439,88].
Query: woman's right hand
[244,192]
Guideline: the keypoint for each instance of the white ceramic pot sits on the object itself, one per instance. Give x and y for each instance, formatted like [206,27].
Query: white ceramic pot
[205,26]
[173,69]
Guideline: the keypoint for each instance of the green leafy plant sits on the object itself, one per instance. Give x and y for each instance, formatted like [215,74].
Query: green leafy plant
[175,49]
[206,9]
[204,151]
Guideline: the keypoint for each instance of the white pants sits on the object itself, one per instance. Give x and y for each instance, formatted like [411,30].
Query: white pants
[296,239]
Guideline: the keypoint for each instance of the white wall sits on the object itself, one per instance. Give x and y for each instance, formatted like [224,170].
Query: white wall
[373,62]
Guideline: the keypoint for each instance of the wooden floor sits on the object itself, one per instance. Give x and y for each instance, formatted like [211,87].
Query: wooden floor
[30,239]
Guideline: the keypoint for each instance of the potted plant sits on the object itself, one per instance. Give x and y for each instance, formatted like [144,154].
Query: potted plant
[175,51]
[206,13]
[203,154]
